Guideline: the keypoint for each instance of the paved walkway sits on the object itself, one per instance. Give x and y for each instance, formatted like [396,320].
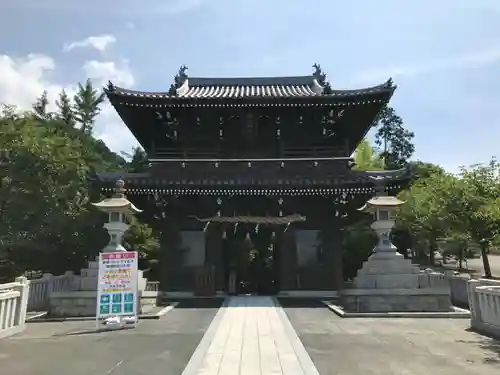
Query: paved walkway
[250,336]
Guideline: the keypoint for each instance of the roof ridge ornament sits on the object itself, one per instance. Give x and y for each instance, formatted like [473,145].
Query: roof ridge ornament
[110,86]
[179,80]
[320,78]
[119,190]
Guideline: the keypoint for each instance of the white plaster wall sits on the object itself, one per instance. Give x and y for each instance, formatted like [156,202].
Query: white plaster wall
[307,243]
[194,243]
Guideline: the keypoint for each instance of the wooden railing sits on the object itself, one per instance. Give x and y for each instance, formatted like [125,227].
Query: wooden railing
[214,153]
[186,153]
[247,170]
[317,151]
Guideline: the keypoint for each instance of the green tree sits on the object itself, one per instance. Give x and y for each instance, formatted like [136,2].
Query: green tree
[422,170]
[395,141]
[358,243]
[141,238]
[40,106]
[45,193]
[65,113]
[481,209]
[366,158]
[138,160]
[48,223]
[87,102]
[432,209]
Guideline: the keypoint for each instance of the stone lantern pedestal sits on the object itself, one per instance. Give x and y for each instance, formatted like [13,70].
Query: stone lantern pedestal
[387,282]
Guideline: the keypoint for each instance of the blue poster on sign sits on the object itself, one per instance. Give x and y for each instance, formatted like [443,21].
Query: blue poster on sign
[105,299]
[117,285]
[128,308]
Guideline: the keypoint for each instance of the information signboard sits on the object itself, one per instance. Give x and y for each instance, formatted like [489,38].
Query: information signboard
[117,284]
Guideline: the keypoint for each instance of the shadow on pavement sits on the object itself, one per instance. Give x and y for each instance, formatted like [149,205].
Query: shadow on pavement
[302,302]
[490,344]
[196,303]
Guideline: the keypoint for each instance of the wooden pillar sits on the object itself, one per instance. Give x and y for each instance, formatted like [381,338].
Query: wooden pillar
[288,259]
[214,253]
[336,260]
[170,261]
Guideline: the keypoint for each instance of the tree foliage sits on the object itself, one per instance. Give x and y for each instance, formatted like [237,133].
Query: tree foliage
[87,106]
[48,223]
[40,106]
[65,110]
[366,158]
[463,210]
[395,141]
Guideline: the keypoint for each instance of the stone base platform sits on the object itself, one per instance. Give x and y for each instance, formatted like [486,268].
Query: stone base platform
[455,313]
[83,303]
[396,300]
[153,313]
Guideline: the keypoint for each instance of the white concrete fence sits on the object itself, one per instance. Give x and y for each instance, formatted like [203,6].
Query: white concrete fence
[13,303]
[42,288]
[484,305]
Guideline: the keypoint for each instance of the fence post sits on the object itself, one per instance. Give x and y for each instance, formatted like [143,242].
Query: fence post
[70,281]
[475,311]
[50,284]
[22,306]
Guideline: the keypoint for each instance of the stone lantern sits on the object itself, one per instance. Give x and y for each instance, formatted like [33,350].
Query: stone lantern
[387,282]
[383,208]
[118,208]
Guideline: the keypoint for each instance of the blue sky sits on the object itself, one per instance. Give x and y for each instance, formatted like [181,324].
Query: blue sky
[444,55]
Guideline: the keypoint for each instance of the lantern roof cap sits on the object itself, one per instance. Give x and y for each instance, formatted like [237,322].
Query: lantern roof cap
[118,202]
[380,202]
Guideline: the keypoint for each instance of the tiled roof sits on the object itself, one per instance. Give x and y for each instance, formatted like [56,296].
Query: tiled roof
[249,87]
[257,87]
[246,91]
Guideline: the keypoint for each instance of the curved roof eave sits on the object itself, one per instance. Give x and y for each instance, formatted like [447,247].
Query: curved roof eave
[119,91]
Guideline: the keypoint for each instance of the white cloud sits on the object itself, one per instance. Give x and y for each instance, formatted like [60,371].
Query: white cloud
[468,60]
[98,42]
[103,71]
[110,127]
[22,80]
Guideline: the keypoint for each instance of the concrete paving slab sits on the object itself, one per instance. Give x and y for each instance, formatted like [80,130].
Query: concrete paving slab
[457,313]
[250,335]
[390,346]
[155,347]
